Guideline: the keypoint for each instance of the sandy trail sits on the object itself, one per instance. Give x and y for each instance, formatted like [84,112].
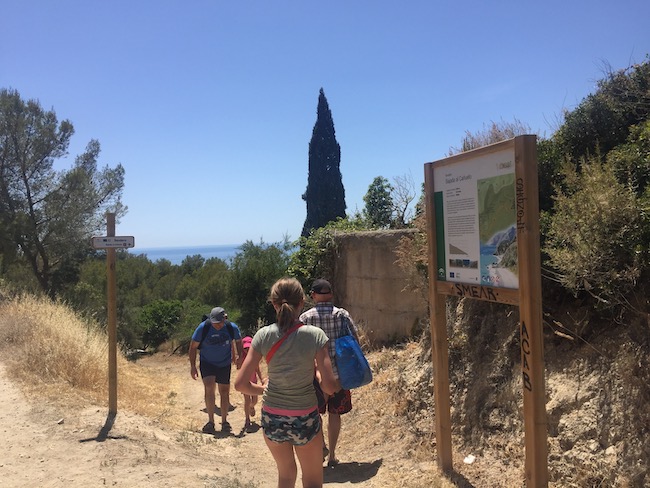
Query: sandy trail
[45,445]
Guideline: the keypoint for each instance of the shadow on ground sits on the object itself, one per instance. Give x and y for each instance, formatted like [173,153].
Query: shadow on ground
[459,480]
[103,433]
[351,472]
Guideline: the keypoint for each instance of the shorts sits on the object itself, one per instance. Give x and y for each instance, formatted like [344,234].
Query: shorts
[221,374]
[298,430]
[339,403]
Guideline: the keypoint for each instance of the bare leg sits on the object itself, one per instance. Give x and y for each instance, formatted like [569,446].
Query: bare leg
[247,407]
[282,452]
[333,431]
[252,406]
[224,396]
[209,387]
[311,462]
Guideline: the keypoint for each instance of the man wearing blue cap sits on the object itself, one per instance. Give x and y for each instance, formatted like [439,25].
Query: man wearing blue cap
[214,338]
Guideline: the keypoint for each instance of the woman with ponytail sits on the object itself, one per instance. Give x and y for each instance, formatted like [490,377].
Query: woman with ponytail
[290,418]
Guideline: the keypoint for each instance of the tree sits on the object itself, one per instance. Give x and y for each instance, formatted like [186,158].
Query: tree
[603,119]
[403,194]
[253,271]
[158,320]
[325,195]
[378,211]
[47,217]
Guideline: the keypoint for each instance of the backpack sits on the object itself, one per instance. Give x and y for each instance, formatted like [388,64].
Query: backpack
[229,327]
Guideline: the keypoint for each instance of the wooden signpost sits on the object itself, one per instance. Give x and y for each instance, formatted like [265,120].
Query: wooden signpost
[110,242]
[482,215]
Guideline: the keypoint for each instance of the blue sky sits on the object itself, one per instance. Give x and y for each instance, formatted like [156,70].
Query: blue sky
[210,105]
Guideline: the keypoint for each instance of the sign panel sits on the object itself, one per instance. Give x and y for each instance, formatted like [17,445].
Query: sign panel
[476,220]
[107,242]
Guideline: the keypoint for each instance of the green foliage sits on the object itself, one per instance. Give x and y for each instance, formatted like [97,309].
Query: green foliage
[158,320]
[378,211]
[603,119]
[141,282]
[325,195]
[597,234]
[595,237]
[252,273]
[316,253]
[549,163]
[213,279]
[47,217]
[631,160]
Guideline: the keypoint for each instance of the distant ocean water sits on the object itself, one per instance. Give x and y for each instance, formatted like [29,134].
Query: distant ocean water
[176,255]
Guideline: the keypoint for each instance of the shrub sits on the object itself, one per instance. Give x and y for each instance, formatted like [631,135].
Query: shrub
[158,321]
[317,252]
[595,235]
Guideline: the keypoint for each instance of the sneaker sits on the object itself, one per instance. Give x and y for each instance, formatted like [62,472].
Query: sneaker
[209,428]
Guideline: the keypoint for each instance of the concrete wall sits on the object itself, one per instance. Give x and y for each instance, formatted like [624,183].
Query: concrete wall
[369,284]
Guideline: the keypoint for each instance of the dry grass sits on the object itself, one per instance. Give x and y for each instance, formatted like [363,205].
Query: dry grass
[51,350]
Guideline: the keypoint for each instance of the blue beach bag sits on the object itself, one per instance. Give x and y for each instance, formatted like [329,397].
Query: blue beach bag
[354,370]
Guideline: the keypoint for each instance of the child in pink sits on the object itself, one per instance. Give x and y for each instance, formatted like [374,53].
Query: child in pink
[250,400]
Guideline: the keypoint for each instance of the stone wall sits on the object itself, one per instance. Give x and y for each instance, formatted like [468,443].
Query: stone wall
[370,285]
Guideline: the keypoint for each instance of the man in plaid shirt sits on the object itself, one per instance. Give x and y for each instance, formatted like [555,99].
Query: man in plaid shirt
[331,319]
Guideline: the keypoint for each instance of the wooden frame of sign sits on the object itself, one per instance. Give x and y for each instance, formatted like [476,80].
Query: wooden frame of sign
[473,200]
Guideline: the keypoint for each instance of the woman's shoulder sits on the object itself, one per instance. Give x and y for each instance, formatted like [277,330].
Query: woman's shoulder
[265,337]
[313,330]
[266,331]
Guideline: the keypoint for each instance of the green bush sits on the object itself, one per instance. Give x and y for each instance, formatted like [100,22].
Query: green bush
[317,252]
[596,234]
[252,273]
[158,321]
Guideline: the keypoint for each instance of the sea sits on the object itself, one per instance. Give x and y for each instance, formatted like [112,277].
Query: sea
[176,255]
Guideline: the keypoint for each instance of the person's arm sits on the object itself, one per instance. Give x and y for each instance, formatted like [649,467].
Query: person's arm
[353,328]
[328,382]
[243,382]
[240,353]
[258,372]
[194,345]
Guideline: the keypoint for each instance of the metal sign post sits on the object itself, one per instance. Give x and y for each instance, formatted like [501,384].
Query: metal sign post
[110,242]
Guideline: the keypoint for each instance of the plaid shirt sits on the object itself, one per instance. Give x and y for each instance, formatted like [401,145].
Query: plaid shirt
[330,318]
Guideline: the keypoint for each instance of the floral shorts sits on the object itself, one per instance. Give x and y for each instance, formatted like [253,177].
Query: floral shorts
[297,430]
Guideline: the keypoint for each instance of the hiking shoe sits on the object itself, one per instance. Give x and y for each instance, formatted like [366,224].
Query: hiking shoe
[209,428]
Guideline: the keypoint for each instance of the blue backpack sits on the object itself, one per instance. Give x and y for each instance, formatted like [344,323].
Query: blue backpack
[206,330]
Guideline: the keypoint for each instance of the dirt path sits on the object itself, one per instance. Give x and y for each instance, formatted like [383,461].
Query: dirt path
[44,445]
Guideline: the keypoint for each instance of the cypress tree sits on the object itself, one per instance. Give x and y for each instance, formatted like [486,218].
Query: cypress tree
[325,195]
